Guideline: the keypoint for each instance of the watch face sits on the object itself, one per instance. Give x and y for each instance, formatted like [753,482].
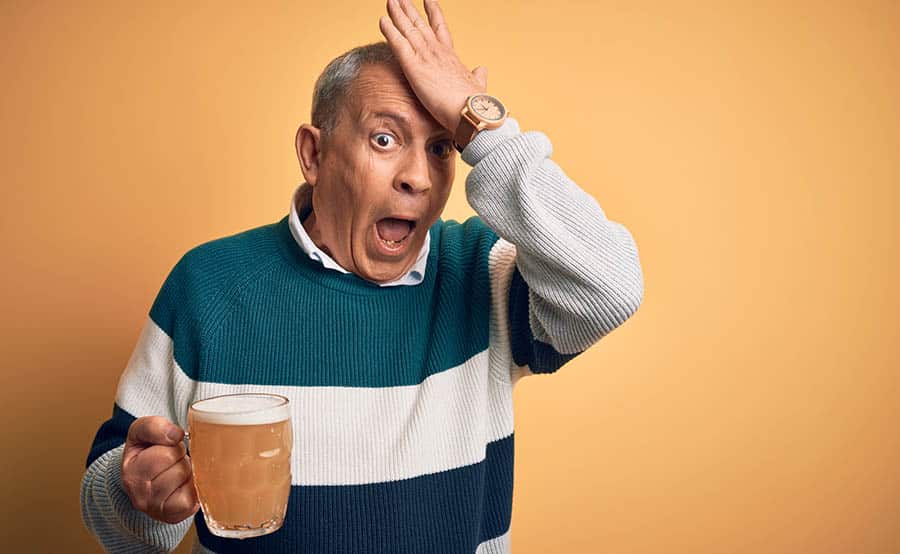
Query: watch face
[487,107]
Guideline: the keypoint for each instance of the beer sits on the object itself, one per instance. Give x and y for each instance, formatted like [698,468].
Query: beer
[240,448]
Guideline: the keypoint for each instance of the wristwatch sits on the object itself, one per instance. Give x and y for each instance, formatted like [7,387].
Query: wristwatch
[482,111]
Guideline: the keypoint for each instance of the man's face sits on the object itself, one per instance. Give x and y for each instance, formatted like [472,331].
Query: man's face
[380,182]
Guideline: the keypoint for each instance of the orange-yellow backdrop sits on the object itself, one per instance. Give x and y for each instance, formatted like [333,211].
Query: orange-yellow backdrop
[751,405]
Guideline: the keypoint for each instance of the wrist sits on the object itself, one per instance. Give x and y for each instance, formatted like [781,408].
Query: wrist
[454,116]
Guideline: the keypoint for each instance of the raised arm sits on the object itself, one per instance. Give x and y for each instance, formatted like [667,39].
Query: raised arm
[576,276]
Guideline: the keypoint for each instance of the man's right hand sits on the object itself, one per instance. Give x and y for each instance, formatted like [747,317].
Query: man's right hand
[156,470]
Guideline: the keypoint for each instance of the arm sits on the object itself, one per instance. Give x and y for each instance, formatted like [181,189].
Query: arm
[578,273]
[152,384]
[576,276]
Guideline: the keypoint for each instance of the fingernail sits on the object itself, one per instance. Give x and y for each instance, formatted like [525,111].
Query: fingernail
[174,435]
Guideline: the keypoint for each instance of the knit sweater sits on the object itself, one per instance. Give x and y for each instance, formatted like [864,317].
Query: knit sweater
[401,396]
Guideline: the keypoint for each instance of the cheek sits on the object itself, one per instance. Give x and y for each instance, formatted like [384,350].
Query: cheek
[336,201]
[363,178]
[442,180]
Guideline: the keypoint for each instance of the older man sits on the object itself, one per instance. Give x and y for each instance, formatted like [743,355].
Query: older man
[397,336]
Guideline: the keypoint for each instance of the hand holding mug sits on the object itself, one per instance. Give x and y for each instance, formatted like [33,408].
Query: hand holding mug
[156,470]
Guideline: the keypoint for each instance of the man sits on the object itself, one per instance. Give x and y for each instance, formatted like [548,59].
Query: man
[398,336]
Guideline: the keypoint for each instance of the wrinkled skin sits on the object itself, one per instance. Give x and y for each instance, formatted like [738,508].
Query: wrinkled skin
[372,167]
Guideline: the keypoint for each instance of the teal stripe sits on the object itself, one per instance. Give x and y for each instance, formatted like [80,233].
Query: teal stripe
[267,314]
[201,285]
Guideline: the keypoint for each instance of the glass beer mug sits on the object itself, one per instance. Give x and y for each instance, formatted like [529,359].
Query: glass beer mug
[240,447]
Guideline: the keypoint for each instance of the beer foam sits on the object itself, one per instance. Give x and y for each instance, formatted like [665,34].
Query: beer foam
[246,409]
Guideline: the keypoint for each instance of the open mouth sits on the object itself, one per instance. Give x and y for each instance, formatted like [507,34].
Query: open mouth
[394,232]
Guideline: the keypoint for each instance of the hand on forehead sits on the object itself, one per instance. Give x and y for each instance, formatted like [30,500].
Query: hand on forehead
[428,60]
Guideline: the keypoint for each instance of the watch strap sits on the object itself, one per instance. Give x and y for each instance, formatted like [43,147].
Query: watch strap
[464,132]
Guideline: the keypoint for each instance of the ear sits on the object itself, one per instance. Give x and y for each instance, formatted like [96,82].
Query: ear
[308,145]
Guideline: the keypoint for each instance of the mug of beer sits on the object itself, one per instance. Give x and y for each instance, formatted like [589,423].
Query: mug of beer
[240,447]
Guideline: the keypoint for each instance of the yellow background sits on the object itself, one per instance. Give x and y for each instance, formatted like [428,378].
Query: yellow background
[750,406]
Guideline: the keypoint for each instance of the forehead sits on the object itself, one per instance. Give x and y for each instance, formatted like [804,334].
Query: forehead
[382,89]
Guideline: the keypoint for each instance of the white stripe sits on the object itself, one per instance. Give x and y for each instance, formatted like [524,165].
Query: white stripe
[501,265]
[152,383]
[349,435]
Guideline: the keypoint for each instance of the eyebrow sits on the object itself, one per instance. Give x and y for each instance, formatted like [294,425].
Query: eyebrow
[403,122]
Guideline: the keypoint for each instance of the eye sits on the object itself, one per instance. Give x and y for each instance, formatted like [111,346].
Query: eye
[383,140]
[442,149]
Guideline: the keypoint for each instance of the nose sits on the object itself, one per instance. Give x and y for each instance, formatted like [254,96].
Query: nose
[413,177]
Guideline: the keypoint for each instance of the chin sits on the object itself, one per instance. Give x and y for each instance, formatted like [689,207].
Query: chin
[384,272]
[384,275]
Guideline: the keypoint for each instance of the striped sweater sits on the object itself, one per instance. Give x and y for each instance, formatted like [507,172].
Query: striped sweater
[401,396]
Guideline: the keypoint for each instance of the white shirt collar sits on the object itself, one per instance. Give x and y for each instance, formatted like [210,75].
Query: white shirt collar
[301,197]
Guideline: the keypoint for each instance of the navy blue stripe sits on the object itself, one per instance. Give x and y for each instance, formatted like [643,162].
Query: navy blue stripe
[111,434]
[546,359]
[539,356]
[445,512]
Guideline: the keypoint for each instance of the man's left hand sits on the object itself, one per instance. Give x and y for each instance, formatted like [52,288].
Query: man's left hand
[425,51]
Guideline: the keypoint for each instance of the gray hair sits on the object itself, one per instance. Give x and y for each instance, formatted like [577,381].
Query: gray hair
[333,85]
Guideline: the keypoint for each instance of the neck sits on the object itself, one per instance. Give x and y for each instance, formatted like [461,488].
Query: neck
[307,215]
[309,225]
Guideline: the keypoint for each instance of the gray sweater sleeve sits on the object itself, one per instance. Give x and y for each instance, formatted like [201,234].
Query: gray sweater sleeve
[115,523]
[576,276]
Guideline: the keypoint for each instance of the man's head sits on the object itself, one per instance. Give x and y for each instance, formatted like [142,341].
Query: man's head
[378,182]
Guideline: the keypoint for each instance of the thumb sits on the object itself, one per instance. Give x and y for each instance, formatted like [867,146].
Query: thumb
[150,430]
[480,74]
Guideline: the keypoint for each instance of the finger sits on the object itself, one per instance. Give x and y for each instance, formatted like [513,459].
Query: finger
[402,22]
[402,48]
[166,483]
[182,503]
[149,430]
[438,24]
[416,18]
[152,462]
